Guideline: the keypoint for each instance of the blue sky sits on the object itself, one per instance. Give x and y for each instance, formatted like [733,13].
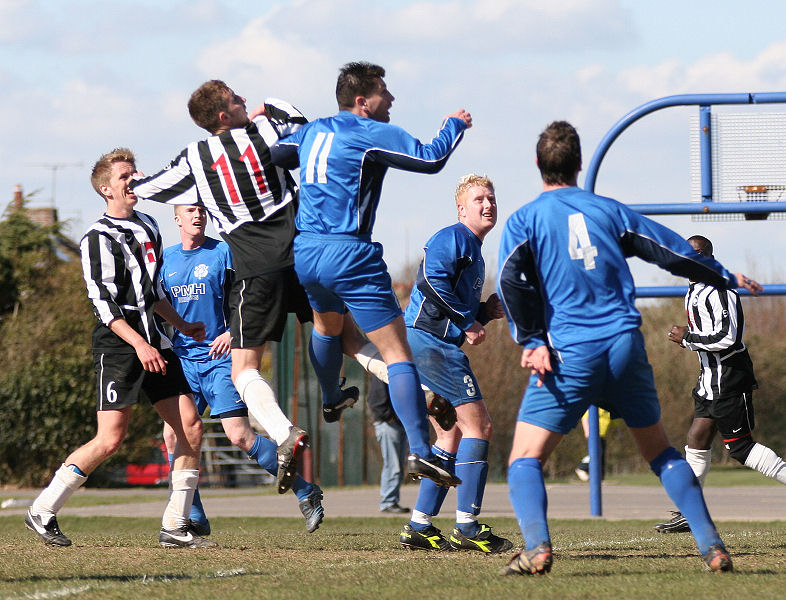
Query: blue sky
[82,77]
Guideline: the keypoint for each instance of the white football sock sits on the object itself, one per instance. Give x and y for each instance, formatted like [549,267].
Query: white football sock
[64,483]
[371,360]
[764,460]
[465,517]
[261,402]
[699,461]
[184,482]
[421,518]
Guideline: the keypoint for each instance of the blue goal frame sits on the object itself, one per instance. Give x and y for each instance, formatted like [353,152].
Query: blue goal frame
[706,206]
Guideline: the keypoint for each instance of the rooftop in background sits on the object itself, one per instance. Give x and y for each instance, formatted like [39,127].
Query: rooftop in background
[45,217]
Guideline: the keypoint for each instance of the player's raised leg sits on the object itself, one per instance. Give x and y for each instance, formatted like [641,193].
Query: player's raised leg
[409,402]
[263,451]
[260,398]
[326,352]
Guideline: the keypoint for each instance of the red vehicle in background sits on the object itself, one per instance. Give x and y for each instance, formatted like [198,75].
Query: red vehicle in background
[154,472]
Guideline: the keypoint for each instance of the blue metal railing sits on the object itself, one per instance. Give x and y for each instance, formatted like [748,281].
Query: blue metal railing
[706,206]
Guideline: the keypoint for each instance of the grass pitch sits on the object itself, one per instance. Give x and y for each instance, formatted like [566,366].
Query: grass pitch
[360,558]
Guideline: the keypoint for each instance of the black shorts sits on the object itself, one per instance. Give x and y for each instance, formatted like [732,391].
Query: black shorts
[260,305]
[733,415]
[120,378]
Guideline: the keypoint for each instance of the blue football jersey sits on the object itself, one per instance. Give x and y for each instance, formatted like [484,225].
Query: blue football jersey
[445,299]
[563,275]
[197,283]
[343,160]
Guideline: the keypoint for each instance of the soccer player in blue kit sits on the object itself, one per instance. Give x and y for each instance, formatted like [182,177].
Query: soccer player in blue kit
[197,276]
[569,298]
[343,160]
[445,311]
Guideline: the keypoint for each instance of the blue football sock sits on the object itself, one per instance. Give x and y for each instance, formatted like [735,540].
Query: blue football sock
[264,452]
[409,403]
[430,495]
[326,357]
[472,467]
[77,470]
[684,490]
[197,510]
[528,496]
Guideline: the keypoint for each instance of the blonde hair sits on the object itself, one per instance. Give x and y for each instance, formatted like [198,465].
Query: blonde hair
[102,170]
[471,180]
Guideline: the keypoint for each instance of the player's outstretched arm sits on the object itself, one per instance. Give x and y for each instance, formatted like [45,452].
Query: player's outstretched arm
[194,330]
[259,110]
[538,360]
[462,115]
[743,281]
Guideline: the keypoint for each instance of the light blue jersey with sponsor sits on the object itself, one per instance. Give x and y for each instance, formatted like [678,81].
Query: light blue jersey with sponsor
[197,283]
[445,300]
[343,160]
[563,275]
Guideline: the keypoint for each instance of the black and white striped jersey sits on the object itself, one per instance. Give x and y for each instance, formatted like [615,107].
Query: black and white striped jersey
[232,176]
[121,260]
[715,328]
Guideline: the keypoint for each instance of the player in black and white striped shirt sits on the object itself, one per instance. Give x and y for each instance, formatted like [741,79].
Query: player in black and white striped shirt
[723,396]
[121,259]
[252,204]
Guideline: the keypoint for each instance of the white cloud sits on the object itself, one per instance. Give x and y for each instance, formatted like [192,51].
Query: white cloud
[718,72]
[16,21]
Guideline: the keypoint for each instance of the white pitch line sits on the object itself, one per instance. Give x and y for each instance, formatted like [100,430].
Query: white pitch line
[144,580]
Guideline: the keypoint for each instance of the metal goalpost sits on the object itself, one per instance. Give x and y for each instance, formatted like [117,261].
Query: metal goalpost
[734,161]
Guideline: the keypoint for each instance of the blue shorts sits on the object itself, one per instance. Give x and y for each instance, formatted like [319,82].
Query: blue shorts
[613,374]
[341,272]
[211,383]
[443,367]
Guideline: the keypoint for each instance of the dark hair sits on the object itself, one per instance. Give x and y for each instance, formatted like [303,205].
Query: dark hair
[559,153]
[702,244]
[207,101]
[357,79]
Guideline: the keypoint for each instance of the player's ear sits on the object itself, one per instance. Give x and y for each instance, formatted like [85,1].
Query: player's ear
[105,191]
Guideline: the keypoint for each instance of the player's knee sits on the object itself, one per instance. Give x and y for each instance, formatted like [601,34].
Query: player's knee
[739,449]
[447,440]
[486,429]
[110,443]
[242,439]
[192,435]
